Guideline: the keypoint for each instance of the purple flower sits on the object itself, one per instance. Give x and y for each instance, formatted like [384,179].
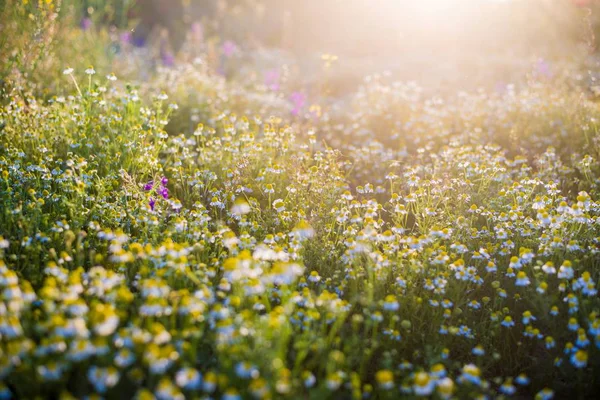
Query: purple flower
[85,24]
[500,87]
[125,37]
[164,192]
[164,181]
[148,186]
[298,99]
[197,31]
[167,58]
[272,79]
[138,41]
[229,48]
[151,203]
[543,68]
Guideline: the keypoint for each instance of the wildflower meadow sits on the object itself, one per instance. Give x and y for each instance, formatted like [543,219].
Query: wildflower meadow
[299,200]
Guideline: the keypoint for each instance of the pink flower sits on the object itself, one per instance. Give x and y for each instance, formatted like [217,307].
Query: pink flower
[166,55]
[197,32]
[582,3]
[298,99]
[167,58]
[125,37]
[543,69]
[272,79]
[85,24]
[229,48]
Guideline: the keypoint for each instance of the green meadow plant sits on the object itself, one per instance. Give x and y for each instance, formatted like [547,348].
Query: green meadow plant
[191,236]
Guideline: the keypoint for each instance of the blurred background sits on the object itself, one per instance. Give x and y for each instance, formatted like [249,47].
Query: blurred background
[441,41]
[323,47]
[366,27]
[414,38]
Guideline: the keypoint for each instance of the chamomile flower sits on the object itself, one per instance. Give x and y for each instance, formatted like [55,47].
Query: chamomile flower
[385,379]
[103,379]
[423,384]
[209,383]
[522,279]
[438,371]
[314,277]
[527,317]
[308,379]
[573,324]
[579,359]
[471,373]
[51,372]
[545,394]
[335,380]
[124,358]
[445,388]
[508,388]
[390,303]
[522,380]
[478,350]
[549,268]
[188,379]
[566,270]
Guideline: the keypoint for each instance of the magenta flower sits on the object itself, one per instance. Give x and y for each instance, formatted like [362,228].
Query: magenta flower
[229,48]
[500,87]
[197,32]
[125,37]
[167,57]
[298,100]
[85,24]
[543,69]
[164,192]
[272,79]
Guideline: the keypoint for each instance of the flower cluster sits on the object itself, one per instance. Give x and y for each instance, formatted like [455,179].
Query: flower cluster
[398,246]
[160,190]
